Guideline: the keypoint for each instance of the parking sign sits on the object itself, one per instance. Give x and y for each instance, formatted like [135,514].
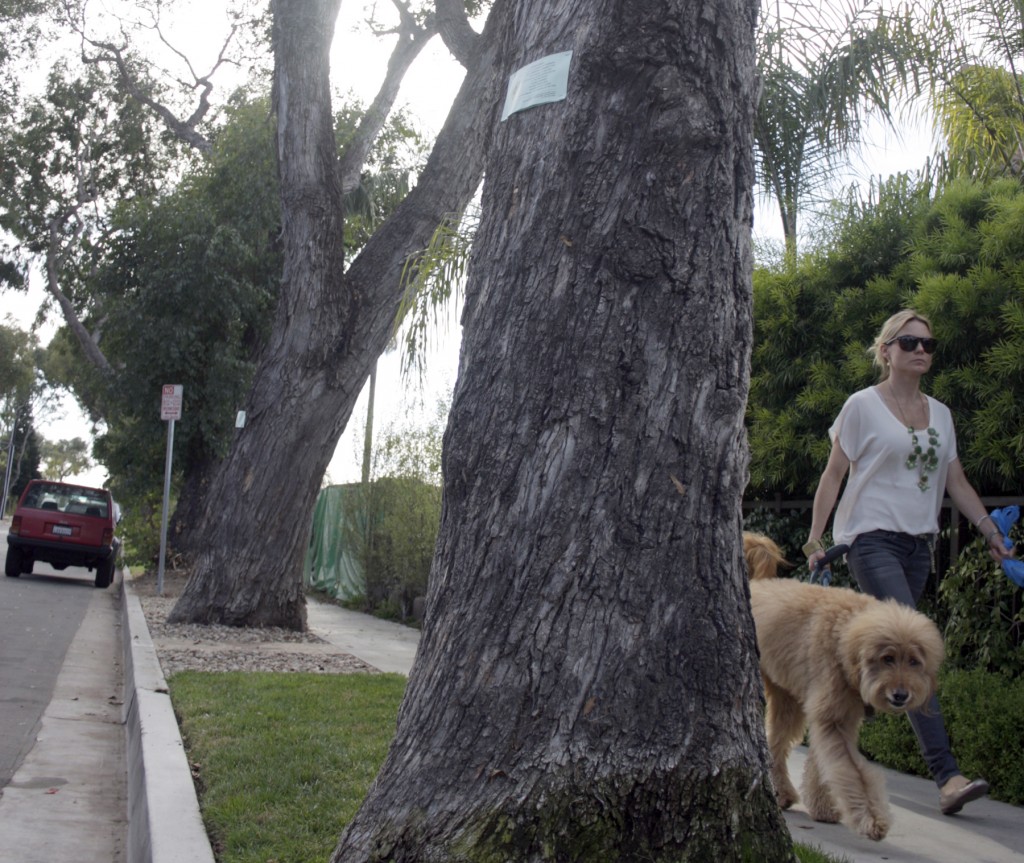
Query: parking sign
[170,401]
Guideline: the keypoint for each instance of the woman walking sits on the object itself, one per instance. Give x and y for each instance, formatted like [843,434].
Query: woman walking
[899,447]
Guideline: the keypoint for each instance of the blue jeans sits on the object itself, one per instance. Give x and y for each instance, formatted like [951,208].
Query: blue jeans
[896,565]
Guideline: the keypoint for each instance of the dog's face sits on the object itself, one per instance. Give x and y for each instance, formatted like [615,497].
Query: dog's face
[895,656]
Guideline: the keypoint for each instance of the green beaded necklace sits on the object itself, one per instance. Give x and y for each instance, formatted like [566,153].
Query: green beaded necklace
[924,460]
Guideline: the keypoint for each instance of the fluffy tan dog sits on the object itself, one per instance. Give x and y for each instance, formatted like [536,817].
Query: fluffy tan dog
[825,653]
[763,556]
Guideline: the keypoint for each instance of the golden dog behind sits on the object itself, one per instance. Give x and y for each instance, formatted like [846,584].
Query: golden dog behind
[825,653]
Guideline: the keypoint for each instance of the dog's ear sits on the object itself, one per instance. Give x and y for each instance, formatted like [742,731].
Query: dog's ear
[928,640]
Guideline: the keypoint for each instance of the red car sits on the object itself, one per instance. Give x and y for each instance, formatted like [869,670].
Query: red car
[63,525]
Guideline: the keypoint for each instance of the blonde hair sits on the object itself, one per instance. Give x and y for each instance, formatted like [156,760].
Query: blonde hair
[889,331]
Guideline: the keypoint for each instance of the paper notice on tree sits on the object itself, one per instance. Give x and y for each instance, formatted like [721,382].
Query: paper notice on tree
[542,81]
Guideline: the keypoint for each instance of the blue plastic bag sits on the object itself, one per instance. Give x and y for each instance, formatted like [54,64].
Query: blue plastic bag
[1005,519]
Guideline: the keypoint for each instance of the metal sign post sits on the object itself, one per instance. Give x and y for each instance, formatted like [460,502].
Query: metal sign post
[170,410]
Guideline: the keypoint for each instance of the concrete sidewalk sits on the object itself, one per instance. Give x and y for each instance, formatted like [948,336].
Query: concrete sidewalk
[164,824]
[985,831]
[66,801]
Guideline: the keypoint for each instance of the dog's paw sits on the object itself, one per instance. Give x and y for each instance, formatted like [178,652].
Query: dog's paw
[872,826]
[826,813]
[820,806]
[787,797]
[785,793]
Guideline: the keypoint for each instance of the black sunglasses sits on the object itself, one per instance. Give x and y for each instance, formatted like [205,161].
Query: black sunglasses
[910,343]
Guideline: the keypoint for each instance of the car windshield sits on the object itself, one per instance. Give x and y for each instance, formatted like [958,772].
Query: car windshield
[72,499]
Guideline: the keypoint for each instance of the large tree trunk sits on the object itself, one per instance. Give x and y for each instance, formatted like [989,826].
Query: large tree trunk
[586,687]
[330,327]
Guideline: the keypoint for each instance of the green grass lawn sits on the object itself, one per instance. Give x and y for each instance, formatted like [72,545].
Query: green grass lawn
[284,760]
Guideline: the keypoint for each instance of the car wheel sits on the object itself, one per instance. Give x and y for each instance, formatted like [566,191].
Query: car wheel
[105,573]
[12,566]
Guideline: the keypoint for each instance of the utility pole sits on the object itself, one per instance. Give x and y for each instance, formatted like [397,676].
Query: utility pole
[7,471]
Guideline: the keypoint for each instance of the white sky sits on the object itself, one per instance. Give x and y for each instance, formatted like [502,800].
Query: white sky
[429,88]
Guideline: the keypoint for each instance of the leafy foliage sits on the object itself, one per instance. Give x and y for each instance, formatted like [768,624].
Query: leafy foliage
[140,528]
[66,155]
[65,458]
[433,280]
[959,260]
[19,38]
[20,395]
[402,516]
[189,280]
[975,50]
[822,67]
[981,116]
[981,613]
[394,519]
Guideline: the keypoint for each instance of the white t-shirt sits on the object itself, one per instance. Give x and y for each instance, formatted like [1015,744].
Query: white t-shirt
[881,492]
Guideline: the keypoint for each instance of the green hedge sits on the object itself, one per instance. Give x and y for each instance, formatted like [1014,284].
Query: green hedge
[981,614]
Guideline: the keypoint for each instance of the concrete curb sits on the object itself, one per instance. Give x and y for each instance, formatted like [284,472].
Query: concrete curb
[164,821]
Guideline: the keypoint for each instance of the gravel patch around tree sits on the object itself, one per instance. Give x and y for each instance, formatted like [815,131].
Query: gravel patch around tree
[218,648]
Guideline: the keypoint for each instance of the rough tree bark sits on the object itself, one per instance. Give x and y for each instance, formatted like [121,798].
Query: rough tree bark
[586,687]
[331,325]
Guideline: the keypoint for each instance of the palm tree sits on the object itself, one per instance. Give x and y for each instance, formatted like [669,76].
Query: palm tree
[823,69]
[977,79]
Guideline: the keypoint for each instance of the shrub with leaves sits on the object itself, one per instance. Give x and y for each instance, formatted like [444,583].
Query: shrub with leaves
[981,613]
[394,518]
[403,514]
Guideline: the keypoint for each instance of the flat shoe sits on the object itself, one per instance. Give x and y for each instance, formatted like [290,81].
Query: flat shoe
[954,801]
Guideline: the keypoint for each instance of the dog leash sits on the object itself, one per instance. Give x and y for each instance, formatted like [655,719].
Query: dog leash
[822,571]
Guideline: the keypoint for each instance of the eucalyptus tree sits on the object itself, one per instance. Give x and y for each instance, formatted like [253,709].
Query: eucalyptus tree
[586,685]
[356,314]
[334,316]
[68,154]
[824,67]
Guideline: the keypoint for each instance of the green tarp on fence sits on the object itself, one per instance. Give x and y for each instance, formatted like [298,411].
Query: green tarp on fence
[330,567]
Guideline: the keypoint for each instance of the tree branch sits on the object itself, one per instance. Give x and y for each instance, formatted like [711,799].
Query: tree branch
[412,38]
[186,130]
[54,258]
[446,185]
[453,25]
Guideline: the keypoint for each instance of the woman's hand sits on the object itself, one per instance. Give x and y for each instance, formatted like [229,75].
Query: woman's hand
[814,557]
[997,547]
